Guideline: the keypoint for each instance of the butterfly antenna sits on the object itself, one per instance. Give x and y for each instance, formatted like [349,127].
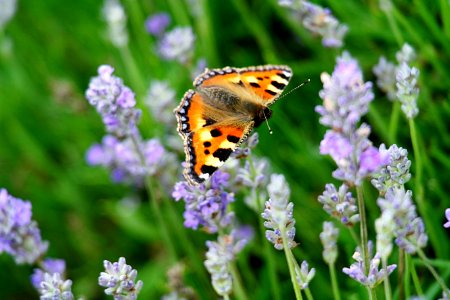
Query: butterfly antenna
[297,87]
[267,122]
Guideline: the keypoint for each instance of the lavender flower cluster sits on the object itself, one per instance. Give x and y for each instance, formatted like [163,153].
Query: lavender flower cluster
[346,98]
[20,236]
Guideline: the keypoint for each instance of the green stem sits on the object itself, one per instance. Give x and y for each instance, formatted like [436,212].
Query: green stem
[268,253]
[308,294]
[438,278]
[414,276]
[364,236]
[238,287]
[334,283]
[407,279]
[401,273]
[387,285]
[393,122]
[394,27]
[154,205]
[288,254]
[418,169]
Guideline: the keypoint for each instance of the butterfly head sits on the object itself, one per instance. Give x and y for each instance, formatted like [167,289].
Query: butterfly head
[262,116]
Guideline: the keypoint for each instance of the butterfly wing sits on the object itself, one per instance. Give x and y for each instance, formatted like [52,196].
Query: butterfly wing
[210,128]
[267,82]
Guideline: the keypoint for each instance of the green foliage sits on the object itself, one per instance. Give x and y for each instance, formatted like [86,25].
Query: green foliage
[46,126]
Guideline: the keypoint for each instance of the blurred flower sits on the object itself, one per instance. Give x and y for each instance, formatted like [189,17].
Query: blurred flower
[385,73]
[50,266]
[115,16]
[328,237]
[346,99]
[406,54]
[304,275]
[407,90]
[54,287]
[199,68]
[7,11]
[375,276]
[319,21]
[278,213]
[160,100]
[125,161]
[218,257]
[156,24]
[114,101]
[206,204]
[447,216]
[178,45]
[409,228]
[340,204]
[19,235]
[177,286]
[396,172]
[384,228]
[400,81]
[119,280]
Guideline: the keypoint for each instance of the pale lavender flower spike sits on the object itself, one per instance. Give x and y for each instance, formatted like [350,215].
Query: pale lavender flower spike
[50,266]
[178,45]
[54,287]
[119,280]
[156,24]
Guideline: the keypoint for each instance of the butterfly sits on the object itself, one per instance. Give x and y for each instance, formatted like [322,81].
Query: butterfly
[216,117]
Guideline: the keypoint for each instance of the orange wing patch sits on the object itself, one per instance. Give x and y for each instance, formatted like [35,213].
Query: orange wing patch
[208,148]
[268,81]
[190,113]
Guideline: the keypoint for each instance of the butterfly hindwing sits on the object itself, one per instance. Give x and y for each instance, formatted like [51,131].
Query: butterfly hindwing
[208,148]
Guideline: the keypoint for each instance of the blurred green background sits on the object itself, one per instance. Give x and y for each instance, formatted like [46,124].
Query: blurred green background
[50,50]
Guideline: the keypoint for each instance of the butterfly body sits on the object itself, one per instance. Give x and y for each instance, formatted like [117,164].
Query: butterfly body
[218,116]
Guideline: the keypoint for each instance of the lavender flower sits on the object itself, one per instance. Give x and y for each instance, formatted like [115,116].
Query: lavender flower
[177,285]
[406,54]
[407,90]
[50,266]
[409,228]
[328,237]
[396,172]
[375,276]
[319,21]
[125,161]
[161,100]
[156,24]
[340,204]
[115,16]
[178,45]
[19,235]
[345,100]
[114,101]
[304,275]
[447,216]
[7,11]
[218,258]
[385,73]
[54,287]
[119,280]
[206,205]
[385,229]
[278,213]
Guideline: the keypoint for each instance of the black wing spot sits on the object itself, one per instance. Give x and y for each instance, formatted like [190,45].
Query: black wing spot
[266,77]
[207,152]
[271,92]
[215,132]
[259,78]
[208,169]
[222,154]
[254,84]
[207,144]
[278,85]
[240,83]
[283,76]
[209,122]
[233,139]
